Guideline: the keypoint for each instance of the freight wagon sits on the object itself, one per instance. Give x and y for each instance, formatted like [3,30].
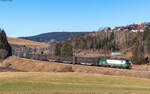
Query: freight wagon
[66,59]
[35,56]
[93,61]
[53,58]
[61,59]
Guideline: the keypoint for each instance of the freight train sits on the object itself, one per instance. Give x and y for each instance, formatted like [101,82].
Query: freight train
[92,61]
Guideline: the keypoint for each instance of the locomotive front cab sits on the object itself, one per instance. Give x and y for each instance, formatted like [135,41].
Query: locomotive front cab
[128,63]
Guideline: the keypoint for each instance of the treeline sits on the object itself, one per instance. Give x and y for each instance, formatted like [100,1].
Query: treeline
[141,49]
[5,48]
[63,49]
[113,41]
[97,40]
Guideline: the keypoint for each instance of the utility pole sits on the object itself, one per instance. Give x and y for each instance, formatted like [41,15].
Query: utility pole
[105,46]
[73,48]
[74,56]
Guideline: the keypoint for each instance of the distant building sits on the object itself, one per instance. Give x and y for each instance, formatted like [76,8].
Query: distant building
[134,30]
[116,54]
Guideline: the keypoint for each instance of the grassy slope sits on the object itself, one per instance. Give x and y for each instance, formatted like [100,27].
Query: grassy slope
[71,83]
[28,43]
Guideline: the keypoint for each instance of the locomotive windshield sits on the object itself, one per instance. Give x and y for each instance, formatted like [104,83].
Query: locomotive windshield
[128,62]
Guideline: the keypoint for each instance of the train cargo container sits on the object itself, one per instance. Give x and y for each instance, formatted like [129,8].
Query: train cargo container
[66,59]
[53,58]
[88,60]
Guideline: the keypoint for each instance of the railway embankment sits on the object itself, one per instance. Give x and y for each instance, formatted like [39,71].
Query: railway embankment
[27,65]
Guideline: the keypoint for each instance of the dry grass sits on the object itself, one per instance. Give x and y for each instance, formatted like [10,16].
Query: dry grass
[36,66]
[141,67]
[28,43]
[53,78]
[59,93]
[70,83]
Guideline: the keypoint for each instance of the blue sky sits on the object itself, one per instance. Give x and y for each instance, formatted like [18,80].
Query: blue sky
[32,17]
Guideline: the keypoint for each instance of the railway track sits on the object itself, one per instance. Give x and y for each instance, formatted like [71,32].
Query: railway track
[131,70]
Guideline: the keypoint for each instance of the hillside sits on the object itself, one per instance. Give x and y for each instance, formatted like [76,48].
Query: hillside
[58,36]
[28,43]
[122,39]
